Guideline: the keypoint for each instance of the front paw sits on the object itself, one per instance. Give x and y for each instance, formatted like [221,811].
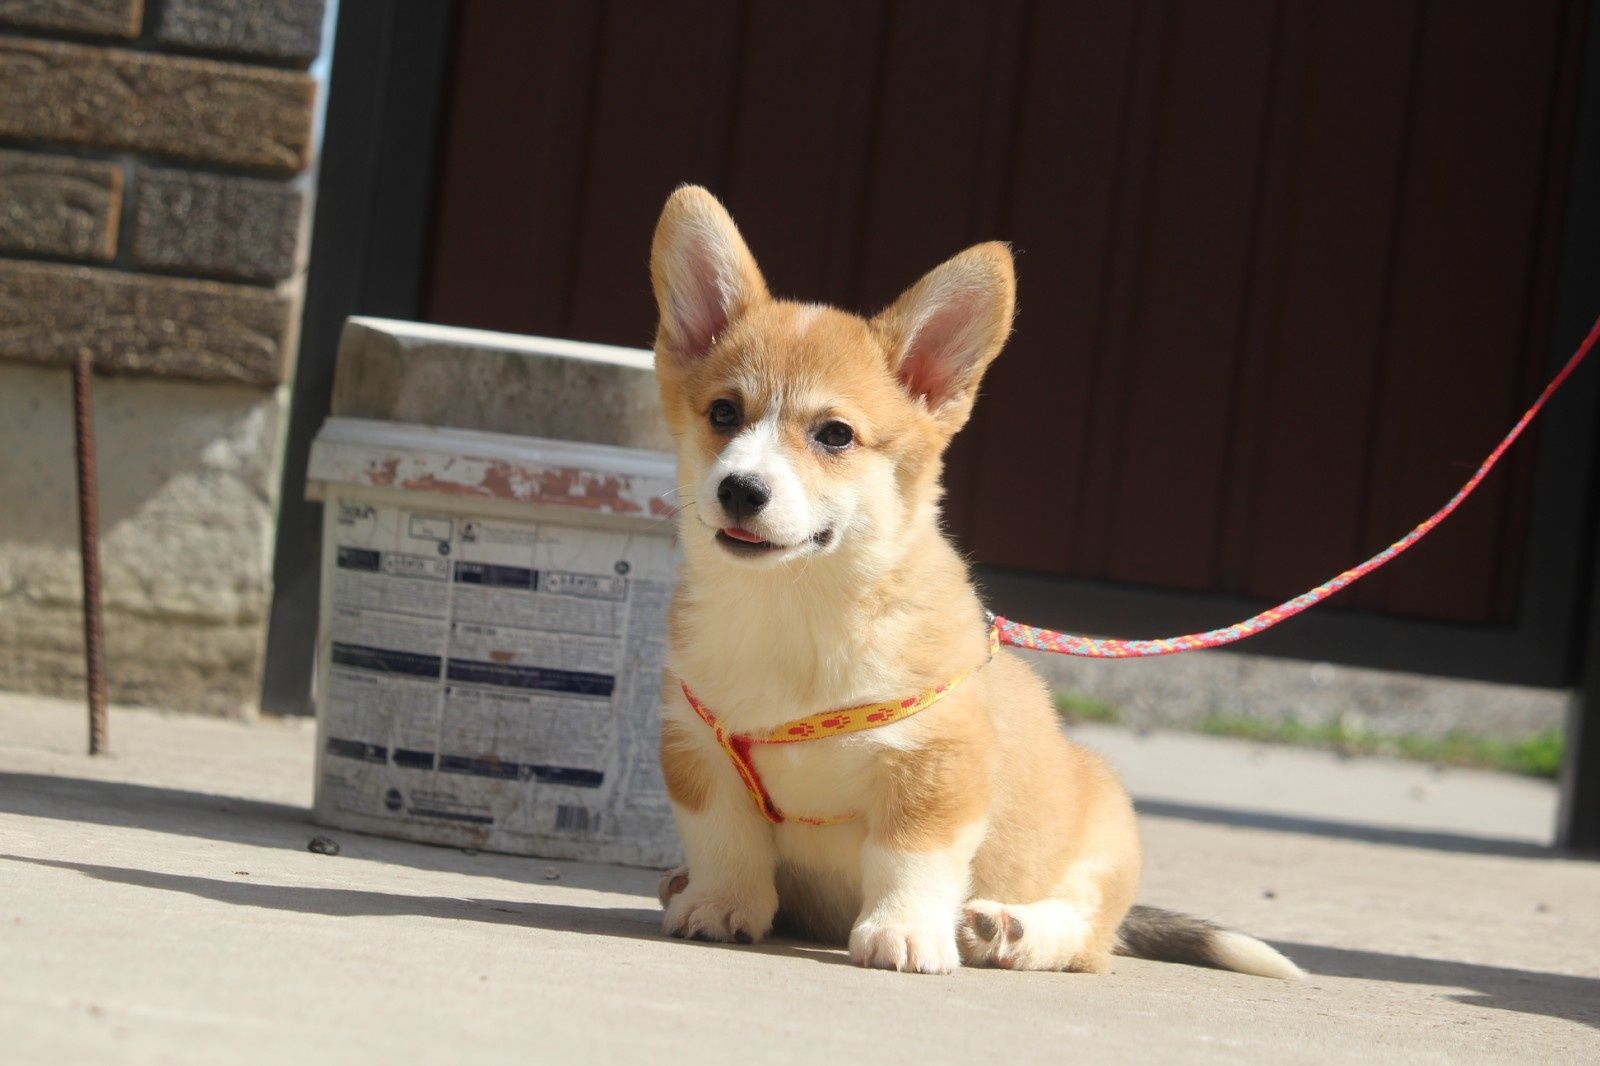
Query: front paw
[720,915]
[911,945]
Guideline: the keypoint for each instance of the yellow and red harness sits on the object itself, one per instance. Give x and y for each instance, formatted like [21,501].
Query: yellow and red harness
[820,727]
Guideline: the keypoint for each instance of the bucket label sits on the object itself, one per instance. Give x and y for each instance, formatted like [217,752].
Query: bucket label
[495,684]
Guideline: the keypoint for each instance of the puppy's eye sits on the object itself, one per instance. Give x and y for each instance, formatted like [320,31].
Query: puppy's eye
[724,415]
[835,435]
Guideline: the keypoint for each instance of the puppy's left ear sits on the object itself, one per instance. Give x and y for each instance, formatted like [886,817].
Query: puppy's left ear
[943,332]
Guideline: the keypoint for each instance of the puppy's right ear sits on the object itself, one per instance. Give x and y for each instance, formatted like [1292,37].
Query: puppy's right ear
[703,274]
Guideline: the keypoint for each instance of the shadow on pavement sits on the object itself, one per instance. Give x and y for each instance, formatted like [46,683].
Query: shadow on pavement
[629,923]
[1370,834]
[1501,988]
[246,821]
[264,824]
[278,825]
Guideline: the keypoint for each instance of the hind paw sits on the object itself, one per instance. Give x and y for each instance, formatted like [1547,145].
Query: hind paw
[672,882]
[989,935]
[1048,935]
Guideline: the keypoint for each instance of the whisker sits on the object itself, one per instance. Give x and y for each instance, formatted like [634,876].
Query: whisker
[800,573]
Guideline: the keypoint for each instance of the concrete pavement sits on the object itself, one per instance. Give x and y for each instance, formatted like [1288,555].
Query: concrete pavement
[160,906]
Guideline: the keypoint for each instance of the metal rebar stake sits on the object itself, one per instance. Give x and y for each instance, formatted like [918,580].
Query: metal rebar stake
[89,549]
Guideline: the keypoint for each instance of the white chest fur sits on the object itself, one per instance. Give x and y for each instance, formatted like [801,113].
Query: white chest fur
[762,649]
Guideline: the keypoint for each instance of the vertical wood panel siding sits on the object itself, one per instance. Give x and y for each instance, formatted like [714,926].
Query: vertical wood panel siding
[1285,266]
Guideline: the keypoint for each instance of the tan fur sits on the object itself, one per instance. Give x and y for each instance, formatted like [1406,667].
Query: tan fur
[684,766]
[979,802]
[930,792]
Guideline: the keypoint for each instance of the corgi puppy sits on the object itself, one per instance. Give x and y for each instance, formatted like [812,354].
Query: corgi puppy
[816,578]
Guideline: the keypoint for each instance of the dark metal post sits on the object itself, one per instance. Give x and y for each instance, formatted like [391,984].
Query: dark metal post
[1578,821]
[89,548]
[374,215]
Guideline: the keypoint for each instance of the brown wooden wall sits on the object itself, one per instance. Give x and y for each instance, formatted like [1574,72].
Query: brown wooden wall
[1286,267]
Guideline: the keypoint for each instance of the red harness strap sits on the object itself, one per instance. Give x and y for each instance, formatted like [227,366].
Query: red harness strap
[819,727]
[738,745]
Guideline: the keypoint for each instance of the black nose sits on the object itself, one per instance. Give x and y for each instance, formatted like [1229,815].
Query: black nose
[742,496]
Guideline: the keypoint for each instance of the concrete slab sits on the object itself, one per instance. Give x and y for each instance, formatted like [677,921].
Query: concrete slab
[188,488]
[446,376]
[160,906]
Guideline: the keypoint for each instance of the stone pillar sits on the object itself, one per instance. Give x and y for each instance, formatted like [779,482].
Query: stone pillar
[153,210]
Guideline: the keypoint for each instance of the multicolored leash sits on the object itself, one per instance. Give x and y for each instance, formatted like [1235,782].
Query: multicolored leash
[1021,636]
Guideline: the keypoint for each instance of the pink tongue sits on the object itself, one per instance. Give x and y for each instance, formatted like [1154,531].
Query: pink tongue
[744,534]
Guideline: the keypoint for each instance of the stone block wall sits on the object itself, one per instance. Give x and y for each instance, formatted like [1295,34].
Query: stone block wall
[155,160]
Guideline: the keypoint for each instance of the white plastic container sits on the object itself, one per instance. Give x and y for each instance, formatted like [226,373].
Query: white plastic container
[491,638]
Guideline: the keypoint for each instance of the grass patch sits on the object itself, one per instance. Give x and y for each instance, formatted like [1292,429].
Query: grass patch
[1536,756]
[1086,709]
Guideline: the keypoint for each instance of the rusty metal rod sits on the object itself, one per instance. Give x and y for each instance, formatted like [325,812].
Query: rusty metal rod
[89,549]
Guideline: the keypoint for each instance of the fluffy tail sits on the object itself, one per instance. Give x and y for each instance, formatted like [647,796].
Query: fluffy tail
[1167,936]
